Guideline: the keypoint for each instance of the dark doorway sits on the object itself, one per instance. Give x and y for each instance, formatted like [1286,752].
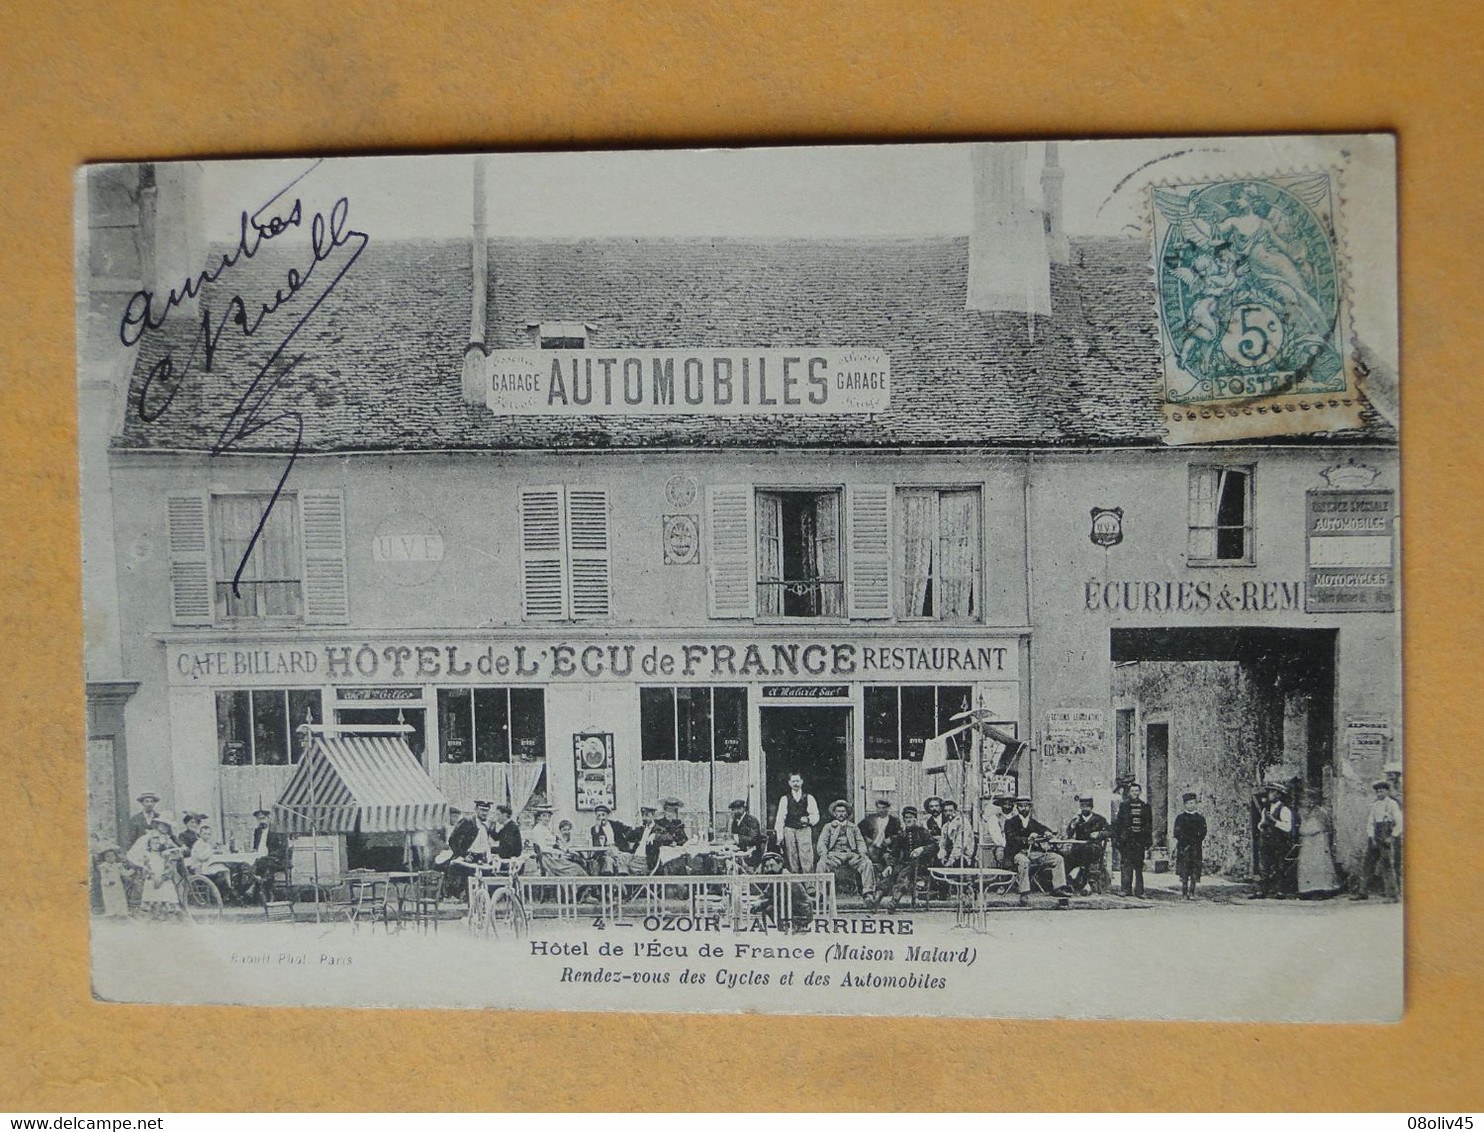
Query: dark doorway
[1157,758]
[414,717]
[810,741]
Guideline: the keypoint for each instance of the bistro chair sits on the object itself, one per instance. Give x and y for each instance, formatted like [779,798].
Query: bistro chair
[427,890]
[276,895]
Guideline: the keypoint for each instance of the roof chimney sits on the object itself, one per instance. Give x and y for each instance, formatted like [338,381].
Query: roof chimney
[1009,269]
[1052,178]
[474,372]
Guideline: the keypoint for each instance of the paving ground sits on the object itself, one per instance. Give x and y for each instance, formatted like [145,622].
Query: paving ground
[1222,957]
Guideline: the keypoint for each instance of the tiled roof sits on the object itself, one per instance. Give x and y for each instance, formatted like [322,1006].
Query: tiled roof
[382,358]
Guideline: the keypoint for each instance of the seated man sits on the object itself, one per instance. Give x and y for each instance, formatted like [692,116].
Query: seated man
[747,835]
[956,842]
[1091,833]
[841,845]
[644,856]
[1025,840]
[270,849]
[798,908]
[670,832]
[470,844]
[879,829]
[913,851]
[505,838]
[612,837]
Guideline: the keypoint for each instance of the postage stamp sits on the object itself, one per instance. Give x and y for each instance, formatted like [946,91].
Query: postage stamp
[1252,310]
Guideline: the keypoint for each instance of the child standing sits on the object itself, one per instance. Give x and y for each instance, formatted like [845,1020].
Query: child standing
[160,899]
[1190,837]
[111,884]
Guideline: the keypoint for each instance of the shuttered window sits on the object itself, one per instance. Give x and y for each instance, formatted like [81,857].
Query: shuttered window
[730,592]
[565,553]
[869,507]
[191,600]
[246,556]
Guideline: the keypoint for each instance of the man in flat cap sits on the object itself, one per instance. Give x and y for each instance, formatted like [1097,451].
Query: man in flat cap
[746,833]
[1133,834]
[1090,831]
[842,846]
[913,851]
[878,831]
[614,838]
[1383,826]
[471,846]
[1025,844]
[957,843]
[1190,840]
[794,823]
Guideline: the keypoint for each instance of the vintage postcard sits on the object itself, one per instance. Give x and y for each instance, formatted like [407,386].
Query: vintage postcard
[924,579]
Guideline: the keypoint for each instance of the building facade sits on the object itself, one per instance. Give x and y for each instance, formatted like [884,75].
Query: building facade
[610,607]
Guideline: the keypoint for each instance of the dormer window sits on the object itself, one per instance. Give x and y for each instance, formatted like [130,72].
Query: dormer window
[561,335]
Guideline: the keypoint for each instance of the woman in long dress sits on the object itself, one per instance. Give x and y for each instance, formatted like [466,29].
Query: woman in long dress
[1316,861]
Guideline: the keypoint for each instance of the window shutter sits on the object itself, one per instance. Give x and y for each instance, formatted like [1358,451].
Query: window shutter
[543,553]
[326,585]
[191,601]
[591,557]
[730,590]
[869,584]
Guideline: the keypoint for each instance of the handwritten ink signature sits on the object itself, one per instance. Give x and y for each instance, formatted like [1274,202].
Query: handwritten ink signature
[146,313]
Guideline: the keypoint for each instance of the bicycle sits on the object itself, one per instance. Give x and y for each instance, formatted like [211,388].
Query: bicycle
[495,902]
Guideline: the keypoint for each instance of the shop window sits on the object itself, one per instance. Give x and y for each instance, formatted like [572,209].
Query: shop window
[899,720]
[798,554]
[271,582]
[261,727]
[491,725]
[940,551]
[566,572]
[1220,515]
[695,724]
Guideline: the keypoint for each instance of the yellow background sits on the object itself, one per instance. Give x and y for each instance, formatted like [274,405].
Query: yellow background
[130,81]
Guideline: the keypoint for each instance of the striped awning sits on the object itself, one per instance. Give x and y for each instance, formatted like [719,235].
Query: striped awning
[367,783]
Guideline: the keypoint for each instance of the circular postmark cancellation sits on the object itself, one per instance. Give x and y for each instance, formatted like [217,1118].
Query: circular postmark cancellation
[1250,301]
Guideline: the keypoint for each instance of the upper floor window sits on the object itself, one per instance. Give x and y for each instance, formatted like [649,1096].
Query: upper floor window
[1220,515]
[565,556]
[940,550]
[247,557]
[798,554]
[271,580]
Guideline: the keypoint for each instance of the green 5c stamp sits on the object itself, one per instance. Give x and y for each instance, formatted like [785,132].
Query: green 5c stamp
[1250,302]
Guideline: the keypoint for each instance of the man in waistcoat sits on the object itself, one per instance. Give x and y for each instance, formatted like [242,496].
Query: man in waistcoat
[798,814]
